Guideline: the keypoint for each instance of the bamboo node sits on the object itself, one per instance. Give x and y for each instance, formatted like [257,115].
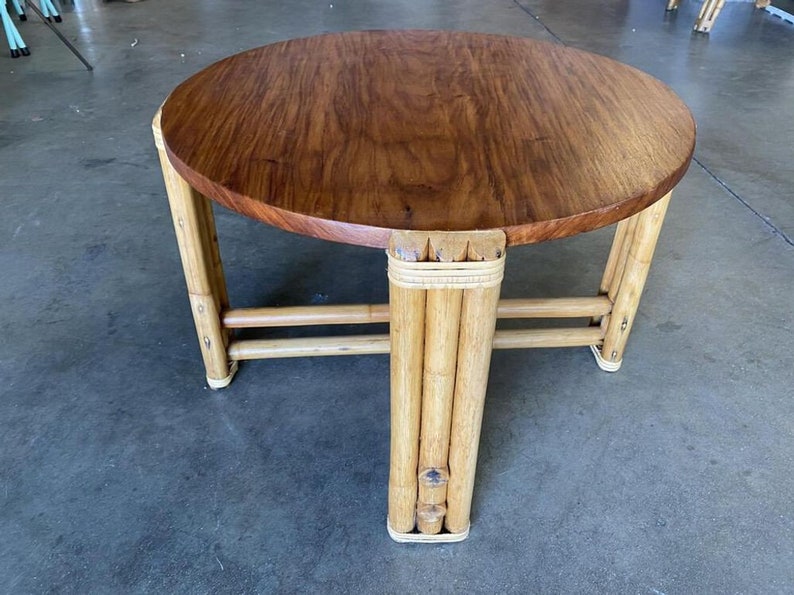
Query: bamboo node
[434,477]
[430,513]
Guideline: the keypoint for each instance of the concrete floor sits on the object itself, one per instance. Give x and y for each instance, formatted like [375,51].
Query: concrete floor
[121,472]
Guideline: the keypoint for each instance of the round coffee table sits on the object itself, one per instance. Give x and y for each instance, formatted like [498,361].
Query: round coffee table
[444,148]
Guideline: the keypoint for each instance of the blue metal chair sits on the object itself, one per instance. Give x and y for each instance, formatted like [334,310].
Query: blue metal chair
[46,13]
[15,41]
[20,11]
[48,8]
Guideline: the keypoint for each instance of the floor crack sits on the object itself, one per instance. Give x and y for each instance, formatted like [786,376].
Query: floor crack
[541,23]
[775,229]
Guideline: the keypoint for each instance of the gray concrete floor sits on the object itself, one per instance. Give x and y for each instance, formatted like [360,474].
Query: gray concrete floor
[121,472]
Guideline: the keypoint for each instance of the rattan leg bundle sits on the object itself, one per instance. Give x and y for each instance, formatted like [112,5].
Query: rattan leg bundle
[194,225]
[624,279]
[444,292]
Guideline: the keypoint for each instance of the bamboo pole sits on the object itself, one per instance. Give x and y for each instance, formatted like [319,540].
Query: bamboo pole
[306,315]
[210,240]
[577,307]
[189,211]
[442,323]
[477,327]
[616,262]
[548,337]
[624,232]
[249,349]
[638,263]
[407,353]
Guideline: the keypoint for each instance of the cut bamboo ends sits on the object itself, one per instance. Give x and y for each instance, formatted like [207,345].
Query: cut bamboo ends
[400,537]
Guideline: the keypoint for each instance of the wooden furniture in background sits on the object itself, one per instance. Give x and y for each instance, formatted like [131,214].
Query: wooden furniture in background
[444,148]
[709,11]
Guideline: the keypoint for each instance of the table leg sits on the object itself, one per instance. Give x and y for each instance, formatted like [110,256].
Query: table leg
[624,279]
[194,225]
[709,12]
[444,292]
[406,329]
[442,329]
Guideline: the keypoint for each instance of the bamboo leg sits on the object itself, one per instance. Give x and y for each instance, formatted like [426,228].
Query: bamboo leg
[629,287]
[441,342]
[194,227]
[617,256]
[709,12]
[441,346]
[406,329]
[672,4]
[477,327]
[613,273]
[210,239]
[616,262]
[478,320]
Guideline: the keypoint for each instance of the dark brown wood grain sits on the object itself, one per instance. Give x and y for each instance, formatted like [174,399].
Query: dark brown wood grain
[350,136]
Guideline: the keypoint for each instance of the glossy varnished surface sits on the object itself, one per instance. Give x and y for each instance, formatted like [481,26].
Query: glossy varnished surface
[349,136]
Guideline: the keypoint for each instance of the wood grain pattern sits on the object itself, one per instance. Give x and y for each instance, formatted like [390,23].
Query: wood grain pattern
[350,136]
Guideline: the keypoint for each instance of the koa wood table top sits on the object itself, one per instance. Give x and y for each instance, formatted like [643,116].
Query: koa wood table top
[350,136]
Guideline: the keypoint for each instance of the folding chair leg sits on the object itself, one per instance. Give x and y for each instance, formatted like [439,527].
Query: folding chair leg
[15,42]
[19,10]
